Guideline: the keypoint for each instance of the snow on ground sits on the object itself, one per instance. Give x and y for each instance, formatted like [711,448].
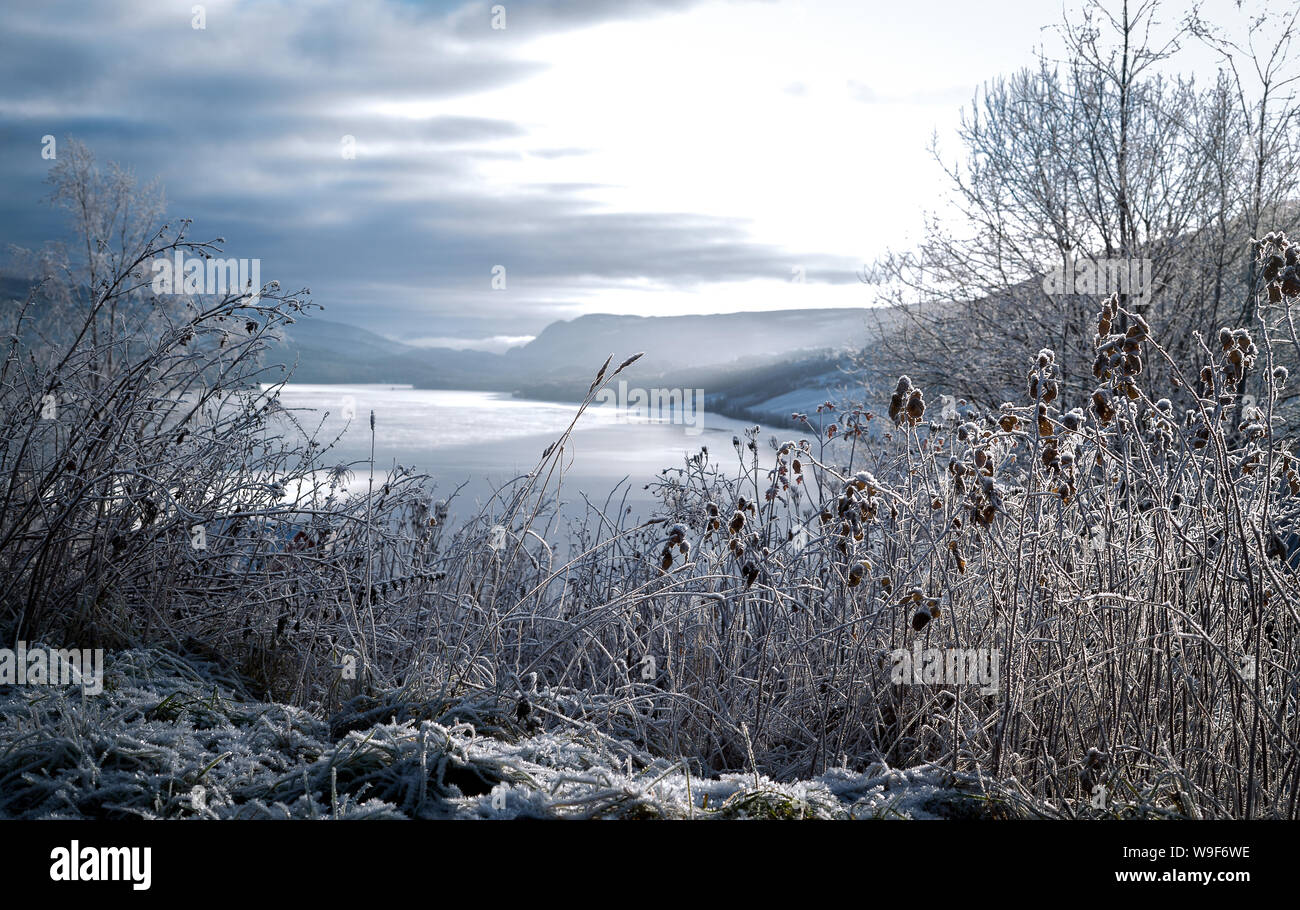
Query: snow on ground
[179,738]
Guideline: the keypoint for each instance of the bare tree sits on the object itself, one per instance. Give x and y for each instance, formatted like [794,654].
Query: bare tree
[1098,158]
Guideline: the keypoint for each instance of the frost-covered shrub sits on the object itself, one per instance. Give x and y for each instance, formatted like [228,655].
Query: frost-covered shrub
[1127,554]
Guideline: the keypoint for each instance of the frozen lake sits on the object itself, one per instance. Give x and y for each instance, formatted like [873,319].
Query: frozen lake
[484,439]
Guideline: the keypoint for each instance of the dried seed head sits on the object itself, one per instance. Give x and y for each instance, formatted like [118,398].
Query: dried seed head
[915,405]
[1044,424]
[1102,407]
[857,572]
[896,407]
[1290,282]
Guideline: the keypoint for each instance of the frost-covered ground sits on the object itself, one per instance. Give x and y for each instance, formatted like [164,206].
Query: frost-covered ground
[180,738]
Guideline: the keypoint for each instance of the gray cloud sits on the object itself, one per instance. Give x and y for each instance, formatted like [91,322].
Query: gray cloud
[243,122]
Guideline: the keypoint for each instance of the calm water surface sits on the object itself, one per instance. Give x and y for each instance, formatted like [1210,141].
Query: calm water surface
[484,439]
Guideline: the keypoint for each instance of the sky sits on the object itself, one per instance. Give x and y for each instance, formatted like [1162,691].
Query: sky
[652,157]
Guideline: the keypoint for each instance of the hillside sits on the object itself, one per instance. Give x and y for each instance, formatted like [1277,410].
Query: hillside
[755,365]
[760,365]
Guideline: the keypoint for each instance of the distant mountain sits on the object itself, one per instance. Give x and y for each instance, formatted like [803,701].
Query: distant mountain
[328,351]
[566,354]
[759,365]
[693,341]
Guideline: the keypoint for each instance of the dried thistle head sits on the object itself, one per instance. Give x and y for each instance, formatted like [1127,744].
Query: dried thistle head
[1102,407]
[1109,308]
[915,406]
[1044,422]
[907,404]
[857,572]
[920,619]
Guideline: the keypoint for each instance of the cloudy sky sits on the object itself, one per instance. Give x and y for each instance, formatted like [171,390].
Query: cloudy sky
[643,156]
